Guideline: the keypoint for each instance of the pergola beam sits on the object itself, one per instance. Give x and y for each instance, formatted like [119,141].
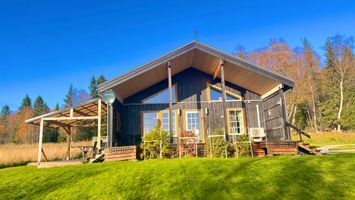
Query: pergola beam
[70,118]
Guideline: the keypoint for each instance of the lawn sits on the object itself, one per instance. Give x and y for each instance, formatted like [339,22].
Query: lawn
[278,177]
[327,138]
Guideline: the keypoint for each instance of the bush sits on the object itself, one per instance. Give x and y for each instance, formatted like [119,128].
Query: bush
[216,146]
[156,142]
[241,148]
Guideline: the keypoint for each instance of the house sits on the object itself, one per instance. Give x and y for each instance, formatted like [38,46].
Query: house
[194,88]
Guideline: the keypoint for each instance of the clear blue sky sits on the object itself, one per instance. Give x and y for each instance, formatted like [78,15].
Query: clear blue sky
[46,45]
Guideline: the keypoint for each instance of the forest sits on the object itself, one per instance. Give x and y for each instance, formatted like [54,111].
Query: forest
[322,100]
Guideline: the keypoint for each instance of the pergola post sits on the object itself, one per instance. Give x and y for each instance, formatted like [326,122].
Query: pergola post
[39,158]
[224,99]
[68,142]
[170,99]
[99,124]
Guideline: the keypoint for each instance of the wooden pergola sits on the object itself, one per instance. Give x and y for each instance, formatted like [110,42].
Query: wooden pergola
[68,118]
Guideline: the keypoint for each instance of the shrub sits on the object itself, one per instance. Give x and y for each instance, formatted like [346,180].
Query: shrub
[240,148]
[155,143]
[216,146]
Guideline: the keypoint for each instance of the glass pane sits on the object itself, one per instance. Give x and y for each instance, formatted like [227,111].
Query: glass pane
[161,97]
[150,121]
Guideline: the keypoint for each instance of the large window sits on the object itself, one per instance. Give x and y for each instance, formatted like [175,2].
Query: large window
[158,118]
[162,96]
[235,122]
[193,123]
[150,121]
[216,94]
[165,121]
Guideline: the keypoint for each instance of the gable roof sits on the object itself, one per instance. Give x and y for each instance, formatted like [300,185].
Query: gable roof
[202,57]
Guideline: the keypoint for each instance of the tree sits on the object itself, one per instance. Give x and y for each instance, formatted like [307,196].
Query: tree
[310,64]
[101,79]
[39,107]
[338,77]
[5,111]
[56,107]
[26,103]
[93,87]
[240,51]
[69,101]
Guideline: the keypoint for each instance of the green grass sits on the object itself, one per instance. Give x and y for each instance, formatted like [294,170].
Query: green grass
[327,138]
[345,147]
[279,177]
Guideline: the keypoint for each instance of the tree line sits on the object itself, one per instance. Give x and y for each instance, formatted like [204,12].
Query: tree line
[13,128]
[323,98]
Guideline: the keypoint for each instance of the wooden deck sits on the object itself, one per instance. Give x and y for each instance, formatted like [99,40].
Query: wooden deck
[121,153]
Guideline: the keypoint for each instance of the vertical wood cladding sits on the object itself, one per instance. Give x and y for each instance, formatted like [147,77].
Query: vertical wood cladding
[274,112]
[191,86]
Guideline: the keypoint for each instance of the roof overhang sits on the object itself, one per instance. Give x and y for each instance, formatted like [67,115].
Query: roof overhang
[204,58]
[71,116]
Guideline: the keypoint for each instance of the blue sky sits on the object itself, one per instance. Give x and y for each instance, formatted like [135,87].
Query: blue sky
[46,45]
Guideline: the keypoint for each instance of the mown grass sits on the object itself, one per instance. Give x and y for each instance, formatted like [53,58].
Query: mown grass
[327,138]
[281,177]
[345,147]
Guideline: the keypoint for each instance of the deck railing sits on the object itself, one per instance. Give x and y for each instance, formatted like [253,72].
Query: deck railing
[299,131]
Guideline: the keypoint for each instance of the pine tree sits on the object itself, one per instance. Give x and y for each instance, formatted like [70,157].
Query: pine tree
[101,79]
[69,97]
[93,87]
[26,103]
[56,107]
[39,107]
[5,112]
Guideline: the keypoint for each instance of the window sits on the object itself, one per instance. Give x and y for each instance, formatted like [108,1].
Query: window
[150,121]
[165,121]
[193,123]
[216,95]
[162,96]
[236,124]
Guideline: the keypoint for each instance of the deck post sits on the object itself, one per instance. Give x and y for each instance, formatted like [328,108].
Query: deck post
[39,158]
[224,99]
[68,142]
[99,124]
[170,98]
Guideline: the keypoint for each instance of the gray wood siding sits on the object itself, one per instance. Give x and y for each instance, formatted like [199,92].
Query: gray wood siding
[274,112]
[191,86]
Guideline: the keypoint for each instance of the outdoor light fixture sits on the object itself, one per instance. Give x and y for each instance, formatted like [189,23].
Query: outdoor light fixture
[108,96]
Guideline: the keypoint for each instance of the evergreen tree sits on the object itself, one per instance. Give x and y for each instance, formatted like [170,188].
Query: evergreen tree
[26,103]
[101,79]
[93,87]
[39,107]
[56,107]
[5,112]
[69,97]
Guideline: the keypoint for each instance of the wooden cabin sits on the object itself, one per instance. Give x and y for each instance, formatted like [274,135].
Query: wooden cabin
[195,88]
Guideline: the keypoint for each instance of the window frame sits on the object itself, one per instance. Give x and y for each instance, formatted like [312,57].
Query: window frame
[160,119]
[174,112]
[202,125]
[142,120]
[159,92]
[228,93]
[243,123]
